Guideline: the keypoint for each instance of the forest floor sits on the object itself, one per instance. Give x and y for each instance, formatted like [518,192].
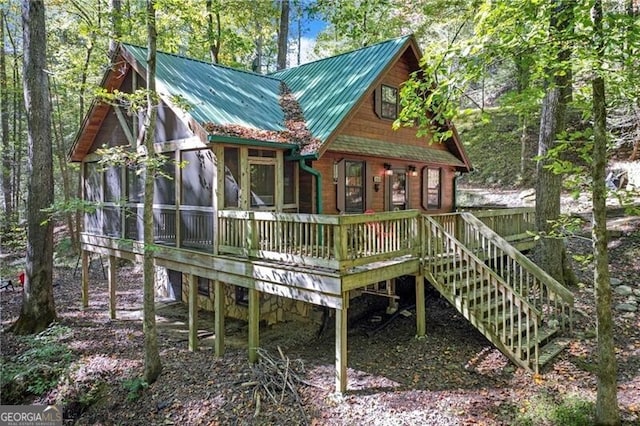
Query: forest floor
[451,377]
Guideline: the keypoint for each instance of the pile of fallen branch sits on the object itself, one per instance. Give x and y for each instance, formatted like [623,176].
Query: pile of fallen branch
[278,378]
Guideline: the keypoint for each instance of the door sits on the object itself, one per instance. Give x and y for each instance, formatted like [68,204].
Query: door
[398,196]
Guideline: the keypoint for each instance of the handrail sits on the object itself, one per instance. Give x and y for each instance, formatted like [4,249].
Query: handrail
[518,271]
[477,260]
[440,249]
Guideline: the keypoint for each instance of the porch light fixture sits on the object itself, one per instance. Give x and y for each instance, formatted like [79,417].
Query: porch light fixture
[335,173]
[387,169]
[412,170]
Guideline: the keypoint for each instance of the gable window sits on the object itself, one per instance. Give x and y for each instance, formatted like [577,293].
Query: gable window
[389,102]
[431,188]
[354,186]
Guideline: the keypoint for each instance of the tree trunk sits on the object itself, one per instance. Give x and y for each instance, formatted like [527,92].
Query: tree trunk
[214,34]
[38,309]
[61,155]
[152,364]
[6,177]
[550,252]
[607,411]
[115,15]
[283,35]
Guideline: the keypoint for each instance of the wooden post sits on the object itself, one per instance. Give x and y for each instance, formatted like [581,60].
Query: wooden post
[341,346]
[112,287]
[219,308]
[85,279]
[421,312]
[193,312]
[254,324]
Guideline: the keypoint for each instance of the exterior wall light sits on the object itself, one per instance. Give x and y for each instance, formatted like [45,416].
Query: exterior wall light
[412,171]
[387,169]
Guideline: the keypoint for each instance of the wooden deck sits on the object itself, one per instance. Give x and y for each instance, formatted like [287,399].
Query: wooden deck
[469,257]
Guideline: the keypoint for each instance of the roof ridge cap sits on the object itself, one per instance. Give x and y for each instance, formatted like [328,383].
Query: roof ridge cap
[407,36]
[269,76]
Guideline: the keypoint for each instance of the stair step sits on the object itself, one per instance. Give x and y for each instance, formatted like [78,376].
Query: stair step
[545,334]
[551,350]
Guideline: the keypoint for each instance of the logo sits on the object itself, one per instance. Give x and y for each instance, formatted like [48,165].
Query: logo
[30,415]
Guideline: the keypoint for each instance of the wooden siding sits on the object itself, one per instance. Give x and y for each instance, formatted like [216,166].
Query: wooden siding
[376,200]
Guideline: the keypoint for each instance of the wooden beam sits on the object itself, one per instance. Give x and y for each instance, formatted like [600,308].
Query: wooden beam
[124,125]
[219,308]
[254,324]
[193,312]
[85,279]
[341,346]
[112,286]
[421,326]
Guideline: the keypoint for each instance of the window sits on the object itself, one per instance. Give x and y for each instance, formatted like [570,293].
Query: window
[431,193]
[290,182]
[398,193]
[203,286]
[354,186]
[389,102]
[242,296]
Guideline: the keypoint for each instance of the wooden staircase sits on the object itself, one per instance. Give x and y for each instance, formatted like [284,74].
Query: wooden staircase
[517,306]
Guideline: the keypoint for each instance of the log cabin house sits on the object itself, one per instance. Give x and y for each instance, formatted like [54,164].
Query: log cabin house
[286,192]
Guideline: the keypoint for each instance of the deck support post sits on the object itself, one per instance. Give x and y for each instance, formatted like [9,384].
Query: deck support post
[254,324]
[341,345]
[193,312]
[421,312]
[390,285]
[112,287]
[85,279]
[219,311]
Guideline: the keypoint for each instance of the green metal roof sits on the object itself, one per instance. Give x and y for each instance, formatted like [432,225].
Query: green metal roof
[329,88]
[326,90]
[386,149]
[216,93]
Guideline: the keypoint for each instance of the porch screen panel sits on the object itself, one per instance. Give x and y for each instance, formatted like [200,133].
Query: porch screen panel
[197,178]
[231,177]
[135,196]
[112,184]
[93,194]
[164,189]
[196,208]
[113,201]
[263,185]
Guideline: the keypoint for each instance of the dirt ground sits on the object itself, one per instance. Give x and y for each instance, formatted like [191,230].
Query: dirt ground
[451,377]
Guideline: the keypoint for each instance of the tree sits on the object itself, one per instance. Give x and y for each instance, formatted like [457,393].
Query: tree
[551,253]
[214,33]
[38,308]
[7,189]
[283,35]
[607,411]
[152,364]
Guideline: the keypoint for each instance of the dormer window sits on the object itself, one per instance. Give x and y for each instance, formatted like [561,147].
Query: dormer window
[389,102]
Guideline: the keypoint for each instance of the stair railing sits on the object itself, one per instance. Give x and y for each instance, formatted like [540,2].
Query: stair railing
[519,272]
[509,321]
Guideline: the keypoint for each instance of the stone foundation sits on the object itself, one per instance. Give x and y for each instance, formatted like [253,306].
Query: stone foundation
[273,308]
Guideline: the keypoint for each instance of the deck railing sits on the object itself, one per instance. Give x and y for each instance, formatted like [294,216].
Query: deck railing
[331,241]
[521,273]
[480,294]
